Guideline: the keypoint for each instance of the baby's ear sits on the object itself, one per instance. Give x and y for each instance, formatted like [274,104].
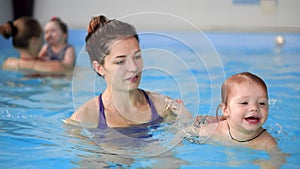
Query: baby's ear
[223,107]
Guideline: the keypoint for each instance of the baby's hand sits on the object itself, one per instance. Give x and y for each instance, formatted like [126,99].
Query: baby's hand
[43,58]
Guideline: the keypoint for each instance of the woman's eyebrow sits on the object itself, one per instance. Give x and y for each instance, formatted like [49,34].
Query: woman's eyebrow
[138,51]
[123,56]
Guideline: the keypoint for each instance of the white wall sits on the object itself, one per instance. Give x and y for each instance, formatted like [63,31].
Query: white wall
[6,11]
[222,15]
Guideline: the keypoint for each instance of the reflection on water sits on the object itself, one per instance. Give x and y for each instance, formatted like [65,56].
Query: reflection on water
[113,149]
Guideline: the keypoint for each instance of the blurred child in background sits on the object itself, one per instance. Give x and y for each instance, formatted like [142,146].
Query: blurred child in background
[57,47]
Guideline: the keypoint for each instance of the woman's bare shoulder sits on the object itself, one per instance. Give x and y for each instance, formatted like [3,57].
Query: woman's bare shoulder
[87,113]
[158,100]
[10,63]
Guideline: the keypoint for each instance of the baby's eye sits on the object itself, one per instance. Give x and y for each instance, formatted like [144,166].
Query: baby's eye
[263,103]
[244,103]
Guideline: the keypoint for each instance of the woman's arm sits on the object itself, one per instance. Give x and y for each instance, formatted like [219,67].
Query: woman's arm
[36,66]
[51,67]
[169,108]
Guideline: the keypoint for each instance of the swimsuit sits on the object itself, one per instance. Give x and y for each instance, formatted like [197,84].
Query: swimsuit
[57,56]
[155,118]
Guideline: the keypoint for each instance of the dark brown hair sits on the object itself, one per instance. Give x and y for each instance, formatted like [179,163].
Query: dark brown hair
[21,37]
[8,29]
[102,32]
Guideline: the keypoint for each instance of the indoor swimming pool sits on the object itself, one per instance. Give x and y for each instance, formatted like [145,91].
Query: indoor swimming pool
[176,64]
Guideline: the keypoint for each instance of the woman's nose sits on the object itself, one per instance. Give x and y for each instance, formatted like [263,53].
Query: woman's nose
[133,65]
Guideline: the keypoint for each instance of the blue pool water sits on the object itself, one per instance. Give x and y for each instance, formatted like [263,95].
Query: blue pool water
[181,65]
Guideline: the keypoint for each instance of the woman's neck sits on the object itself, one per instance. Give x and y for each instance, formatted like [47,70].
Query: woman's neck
[122,96]
[27,55]
[130,106]
[122,100]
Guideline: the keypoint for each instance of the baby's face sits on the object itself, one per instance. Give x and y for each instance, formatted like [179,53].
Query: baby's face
[247,107]
[53,33]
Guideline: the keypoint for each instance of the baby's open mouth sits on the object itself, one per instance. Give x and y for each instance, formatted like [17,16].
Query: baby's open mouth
[252,119]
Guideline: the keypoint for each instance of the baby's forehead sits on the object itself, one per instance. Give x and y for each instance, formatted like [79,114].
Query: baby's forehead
[51,24]
[246,83]
[250,86]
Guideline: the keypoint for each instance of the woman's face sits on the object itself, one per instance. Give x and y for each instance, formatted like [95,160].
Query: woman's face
[53,34]
[122,69]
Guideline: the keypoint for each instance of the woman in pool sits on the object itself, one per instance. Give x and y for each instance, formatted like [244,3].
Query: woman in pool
[113,47]
[27,38]
[245,108]
[57,47]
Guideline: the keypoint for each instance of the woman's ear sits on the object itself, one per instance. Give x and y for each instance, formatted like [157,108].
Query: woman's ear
[36,41]
[33,40]
[98,68]
[34,47]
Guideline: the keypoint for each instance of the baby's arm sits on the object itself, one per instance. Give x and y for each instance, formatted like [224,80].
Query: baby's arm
[43,53]
[276,160]
[69,58]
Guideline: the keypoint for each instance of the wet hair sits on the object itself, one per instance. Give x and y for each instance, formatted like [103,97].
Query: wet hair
[21,37]
[8,29]
[101,35]
[240,78]
[61,25]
